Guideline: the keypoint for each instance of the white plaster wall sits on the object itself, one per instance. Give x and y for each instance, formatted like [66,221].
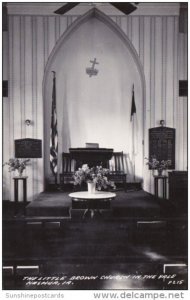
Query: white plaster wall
[95,109]
[162,51]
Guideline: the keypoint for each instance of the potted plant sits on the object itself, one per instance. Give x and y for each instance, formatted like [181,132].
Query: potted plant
[95,178]
[17,164]
[155,164]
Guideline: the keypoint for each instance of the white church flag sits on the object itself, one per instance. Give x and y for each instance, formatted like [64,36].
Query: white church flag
[134,130]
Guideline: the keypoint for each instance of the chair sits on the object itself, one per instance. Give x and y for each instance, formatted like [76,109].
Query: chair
[68,169]
[117,173]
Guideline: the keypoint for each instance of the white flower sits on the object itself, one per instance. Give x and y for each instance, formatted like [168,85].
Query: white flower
[96,174]
[85,167]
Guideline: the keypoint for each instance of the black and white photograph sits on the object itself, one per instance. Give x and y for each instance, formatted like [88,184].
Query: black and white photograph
[95,148]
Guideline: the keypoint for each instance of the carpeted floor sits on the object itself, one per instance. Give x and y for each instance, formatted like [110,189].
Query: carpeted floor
[137,203]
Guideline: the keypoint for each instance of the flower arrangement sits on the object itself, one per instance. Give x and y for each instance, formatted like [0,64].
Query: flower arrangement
[17,164]
[98,175]
[155,164]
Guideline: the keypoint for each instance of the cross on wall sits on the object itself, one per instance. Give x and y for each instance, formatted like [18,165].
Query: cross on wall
[92,71]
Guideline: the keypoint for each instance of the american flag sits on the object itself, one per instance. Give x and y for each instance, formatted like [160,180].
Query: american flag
[53,132]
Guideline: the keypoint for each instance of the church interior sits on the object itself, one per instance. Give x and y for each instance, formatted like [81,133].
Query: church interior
[94,146]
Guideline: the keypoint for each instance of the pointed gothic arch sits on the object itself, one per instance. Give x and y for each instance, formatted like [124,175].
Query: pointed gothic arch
[95,13]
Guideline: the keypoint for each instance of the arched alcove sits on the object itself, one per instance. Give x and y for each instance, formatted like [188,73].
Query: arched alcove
[97,108]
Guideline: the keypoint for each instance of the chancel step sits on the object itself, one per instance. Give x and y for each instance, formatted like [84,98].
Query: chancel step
[151,224]
[8,270]
[27,270]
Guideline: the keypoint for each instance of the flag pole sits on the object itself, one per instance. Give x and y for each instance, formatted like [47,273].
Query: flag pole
[133,132]
[55,173]
[133,111]
[53,132]
[133,147]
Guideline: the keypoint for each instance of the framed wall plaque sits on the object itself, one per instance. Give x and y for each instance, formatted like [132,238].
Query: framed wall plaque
[162,144]
[28,148]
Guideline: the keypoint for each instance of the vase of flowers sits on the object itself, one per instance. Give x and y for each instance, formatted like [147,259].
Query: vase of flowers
[95,178]
[16,164]
[159,166]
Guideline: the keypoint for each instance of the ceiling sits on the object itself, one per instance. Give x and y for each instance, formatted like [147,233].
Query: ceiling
[48,8]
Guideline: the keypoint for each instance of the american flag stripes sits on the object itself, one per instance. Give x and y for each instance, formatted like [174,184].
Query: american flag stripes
[53,132]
